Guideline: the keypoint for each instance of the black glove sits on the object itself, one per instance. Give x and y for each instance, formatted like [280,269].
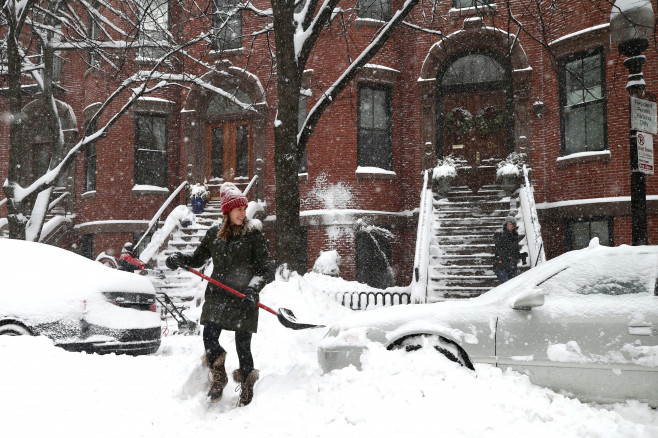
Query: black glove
[524,257]
[174,261]
[250,298]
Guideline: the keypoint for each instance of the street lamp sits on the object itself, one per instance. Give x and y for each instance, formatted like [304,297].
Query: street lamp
[631,26]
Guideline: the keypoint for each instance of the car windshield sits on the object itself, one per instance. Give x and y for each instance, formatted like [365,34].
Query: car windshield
[605,273]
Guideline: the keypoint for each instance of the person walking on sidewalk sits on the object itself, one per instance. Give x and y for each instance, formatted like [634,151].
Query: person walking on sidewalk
[507,254]
[238,250]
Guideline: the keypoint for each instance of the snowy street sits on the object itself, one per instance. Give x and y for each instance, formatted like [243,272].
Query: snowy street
[46,391]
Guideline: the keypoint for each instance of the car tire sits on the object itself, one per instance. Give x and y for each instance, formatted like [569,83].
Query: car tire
[14,329]
[447,348]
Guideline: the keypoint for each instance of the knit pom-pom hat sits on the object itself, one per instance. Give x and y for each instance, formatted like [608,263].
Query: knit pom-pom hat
[231,197]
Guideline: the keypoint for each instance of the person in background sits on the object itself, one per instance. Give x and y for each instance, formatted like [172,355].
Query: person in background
[127,261]
[238,250]
[507,254]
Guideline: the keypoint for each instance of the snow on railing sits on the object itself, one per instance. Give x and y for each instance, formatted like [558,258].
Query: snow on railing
[531,222]
[418,286]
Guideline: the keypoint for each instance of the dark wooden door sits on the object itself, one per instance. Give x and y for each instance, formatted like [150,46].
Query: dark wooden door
[475,131]
[228,150]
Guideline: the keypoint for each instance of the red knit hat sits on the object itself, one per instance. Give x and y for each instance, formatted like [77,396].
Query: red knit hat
[231,197]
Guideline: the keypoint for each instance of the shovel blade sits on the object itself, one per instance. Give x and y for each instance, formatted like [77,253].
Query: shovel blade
[289,320]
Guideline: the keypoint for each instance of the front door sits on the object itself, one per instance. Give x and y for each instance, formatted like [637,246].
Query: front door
[474,117]
[229,146]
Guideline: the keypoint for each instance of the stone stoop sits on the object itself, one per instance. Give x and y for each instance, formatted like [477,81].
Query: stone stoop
[462,246]
[181,286]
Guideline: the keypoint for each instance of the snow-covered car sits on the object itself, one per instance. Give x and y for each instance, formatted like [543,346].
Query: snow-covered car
[584,323]
[78,303]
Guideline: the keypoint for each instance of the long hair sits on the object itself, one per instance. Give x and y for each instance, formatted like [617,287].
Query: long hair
[228,229]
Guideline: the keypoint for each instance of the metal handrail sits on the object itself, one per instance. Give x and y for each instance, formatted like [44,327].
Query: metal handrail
[531,221]
[157,215]
[418,285]
[3,202]
[58,200]
[251,183]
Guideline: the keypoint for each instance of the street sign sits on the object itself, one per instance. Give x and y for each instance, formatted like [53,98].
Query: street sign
[645,153]
[643,115]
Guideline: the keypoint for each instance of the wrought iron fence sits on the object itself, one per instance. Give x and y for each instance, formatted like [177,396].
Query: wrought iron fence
[363,300]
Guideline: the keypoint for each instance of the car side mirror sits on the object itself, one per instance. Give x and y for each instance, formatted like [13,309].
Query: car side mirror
[528,299]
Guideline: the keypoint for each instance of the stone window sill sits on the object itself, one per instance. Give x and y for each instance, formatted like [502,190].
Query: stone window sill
[144,190]
[89,195]
[585,157]
[370,173]
[474,11]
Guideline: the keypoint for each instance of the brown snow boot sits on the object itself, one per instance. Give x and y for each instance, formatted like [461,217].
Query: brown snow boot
[245,386]
[217,377]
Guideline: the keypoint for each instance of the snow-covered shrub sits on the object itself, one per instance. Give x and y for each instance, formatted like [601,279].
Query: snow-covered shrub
[328,263]
[199,191]
[445,168]
[511,166]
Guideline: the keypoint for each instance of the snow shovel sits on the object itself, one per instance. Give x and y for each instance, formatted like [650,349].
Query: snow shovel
[285,316]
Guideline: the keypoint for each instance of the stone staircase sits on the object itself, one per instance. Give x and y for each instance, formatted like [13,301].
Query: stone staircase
[181,286]
[462,246]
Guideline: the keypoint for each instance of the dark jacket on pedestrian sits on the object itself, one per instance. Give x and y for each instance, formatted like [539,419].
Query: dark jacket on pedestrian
[507,254]
[240,262]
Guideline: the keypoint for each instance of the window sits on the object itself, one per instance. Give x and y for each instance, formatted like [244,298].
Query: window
[374,9]
[226,25]
[473,69]
[579,232]
[154,24]
[87,246]
[583,102]
[151,140]
[461,4]
[374,252]
[301,118]
[375,131]
[90,161]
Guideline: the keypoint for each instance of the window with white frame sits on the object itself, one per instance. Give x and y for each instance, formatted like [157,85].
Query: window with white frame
[151,141]
[226,25]
[375,128]
[583,102]
[153,30]
[374,9]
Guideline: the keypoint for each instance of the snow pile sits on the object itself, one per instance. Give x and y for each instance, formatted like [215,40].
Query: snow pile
[328,263]
[397,394]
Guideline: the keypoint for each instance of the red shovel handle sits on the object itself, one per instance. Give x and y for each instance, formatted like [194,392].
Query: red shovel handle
[229,289]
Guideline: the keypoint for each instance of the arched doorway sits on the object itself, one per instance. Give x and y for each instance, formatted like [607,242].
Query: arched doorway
[474,117]
[224,130]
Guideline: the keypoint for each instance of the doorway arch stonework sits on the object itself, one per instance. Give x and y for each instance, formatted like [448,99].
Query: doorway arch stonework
[195,120]
[475,36]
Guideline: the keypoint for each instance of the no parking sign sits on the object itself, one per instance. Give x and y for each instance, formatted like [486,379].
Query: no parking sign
[645,153]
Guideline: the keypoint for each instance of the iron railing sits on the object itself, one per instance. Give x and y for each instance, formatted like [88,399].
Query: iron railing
[363,300]
[418,286]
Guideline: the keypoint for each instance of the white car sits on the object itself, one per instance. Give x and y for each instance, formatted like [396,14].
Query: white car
[584,323]
[80,304]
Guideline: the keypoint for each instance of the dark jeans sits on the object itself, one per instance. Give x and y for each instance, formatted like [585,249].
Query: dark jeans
[505,274]
[211,334]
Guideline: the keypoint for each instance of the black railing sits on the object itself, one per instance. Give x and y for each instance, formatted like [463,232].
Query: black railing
[363,300]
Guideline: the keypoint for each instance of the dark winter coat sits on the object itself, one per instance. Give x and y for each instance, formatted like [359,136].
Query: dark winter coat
[507,254]
[241,261]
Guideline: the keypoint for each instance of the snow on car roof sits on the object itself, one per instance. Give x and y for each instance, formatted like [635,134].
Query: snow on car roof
[40,278]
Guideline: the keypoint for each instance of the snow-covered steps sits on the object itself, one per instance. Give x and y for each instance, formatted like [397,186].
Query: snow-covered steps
[462,246]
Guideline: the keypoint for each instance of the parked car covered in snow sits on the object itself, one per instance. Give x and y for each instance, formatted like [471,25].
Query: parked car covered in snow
[584,323]
[78,303]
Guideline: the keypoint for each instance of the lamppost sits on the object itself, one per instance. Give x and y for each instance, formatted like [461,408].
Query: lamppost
[631,26]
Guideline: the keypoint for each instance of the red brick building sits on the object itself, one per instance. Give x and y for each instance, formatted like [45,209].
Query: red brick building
[555,93]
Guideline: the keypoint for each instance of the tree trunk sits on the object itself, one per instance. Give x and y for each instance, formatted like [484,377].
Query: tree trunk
[286,157]
[16,217]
